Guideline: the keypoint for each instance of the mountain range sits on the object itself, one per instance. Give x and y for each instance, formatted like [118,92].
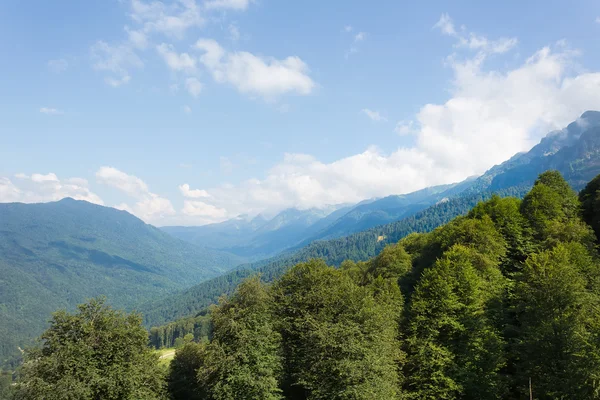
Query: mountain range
[574,151]
[55,255]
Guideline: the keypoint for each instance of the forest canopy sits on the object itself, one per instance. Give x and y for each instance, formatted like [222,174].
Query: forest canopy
[493,304]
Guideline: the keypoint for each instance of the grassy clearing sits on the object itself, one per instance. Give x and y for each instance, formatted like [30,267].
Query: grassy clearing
[166,356]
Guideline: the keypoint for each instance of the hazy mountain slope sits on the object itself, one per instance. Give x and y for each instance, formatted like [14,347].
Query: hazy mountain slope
[574,151]
[55,255]
[259,237]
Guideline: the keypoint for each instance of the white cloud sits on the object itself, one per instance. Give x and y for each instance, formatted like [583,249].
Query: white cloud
[488,117]
[472,40]
[193,86]
[42,188]
[9,193]
[192,193]
[404,128]
[373,115]
[360,36]
[138,38]
[130,184]
[59,65]
[347,28]
[116,82]
[267,77]
[50,111]
[117,60]
[227,4]
[176,61]
[187,109]
[149,206]
[172,20]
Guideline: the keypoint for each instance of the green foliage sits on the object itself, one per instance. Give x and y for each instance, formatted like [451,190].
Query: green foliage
[454,347]
[339,339]
[182,379]
[53,252]
[558,321]
[97,353]
[590,205]
[243,360]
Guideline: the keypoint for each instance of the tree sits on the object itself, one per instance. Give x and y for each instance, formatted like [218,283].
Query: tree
[243,361]
[455,350]
[590,205]
[183,373]
[96,353]
[558,318]
[339,338]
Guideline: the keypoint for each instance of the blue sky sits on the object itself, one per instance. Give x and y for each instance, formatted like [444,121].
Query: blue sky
[190,112]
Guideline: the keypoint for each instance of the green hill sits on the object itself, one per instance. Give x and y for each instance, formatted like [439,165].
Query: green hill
[55,255]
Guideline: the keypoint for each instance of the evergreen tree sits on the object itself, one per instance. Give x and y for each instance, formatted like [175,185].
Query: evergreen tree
[96,353]
[590,205]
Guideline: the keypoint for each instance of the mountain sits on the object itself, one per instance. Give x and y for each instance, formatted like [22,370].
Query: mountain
[259,237]
[573,151]
[55,255]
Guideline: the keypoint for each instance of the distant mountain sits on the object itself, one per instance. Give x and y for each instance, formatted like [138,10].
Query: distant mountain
[55,255]
[574,151]
[259,237]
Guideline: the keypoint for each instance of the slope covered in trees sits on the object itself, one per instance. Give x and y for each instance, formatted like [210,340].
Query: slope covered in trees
[494,304]
[474,309]
[55,255]
[574,151]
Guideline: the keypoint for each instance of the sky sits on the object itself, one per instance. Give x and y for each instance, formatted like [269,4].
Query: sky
[188,112]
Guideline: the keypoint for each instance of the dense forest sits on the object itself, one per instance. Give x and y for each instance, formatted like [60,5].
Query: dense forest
[494,304]
[360,246]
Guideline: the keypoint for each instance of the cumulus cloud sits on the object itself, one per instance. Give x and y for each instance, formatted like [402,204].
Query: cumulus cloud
[148,206]
[489,116]
[267,77]
[50,111]
[176,61]
[373,115]
[192,193]
[36,188]
[227,4]
[360,36]
[58,65]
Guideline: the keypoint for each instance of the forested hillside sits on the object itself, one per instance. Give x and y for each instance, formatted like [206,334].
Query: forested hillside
[476,309]
[574,151]
[499,303]
[56,255]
